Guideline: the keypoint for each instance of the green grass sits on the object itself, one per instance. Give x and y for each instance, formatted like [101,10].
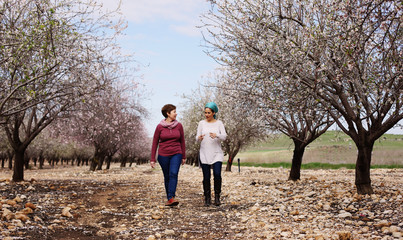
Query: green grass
[332,150]
[329,138]
[312,165]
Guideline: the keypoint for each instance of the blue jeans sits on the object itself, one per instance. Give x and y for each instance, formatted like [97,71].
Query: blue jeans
[206,168]
[170,168]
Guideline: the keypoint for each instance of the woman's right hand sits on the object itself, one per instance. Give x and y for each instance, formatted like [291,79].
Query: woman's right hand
[152,164]
[201,137]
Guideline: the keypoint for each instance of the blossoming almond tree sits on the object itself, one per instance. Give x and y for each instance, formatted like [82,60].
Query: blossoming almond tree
[290,110]
[134,144]
[348,53]
[244,123]
[111,121]
[53,56]
[241,123]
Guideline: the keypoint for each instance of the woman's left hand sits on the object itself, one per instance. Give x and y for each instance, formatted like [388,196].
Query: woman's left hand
[183,161]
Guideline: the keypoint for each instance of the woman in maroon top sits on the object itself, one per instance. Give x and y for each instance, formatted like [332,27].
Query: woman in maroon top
[170,141]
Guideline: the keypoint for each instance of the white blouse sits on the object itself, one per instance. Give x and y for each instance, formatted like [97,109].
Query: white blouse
[210,149]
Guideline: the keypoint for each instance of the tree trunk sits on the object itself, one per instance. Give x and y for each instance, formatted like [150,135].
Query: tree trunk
[101,161]
[26,161]
[299,149]
[18,174]
[123,161]
[362,169]
[10,155]
[94,163]
[10,163]
[96,160]
[108,162]
[197,161]
[229,164]
[41,162]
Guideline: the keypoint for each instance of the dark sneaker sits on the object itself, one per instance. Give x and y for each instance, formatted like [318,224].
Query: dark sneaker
[172,202]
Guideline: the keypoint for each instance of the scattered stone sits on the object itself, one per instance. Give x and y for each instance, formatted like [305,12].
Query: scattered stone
[169,232]
[397,235]
[383,223]
[156,217]
[7,214]
[151,237]
[12,203]
[344,215]
[344,236]
[127,203]
[27,210]
[21,217]
[66,212]
[30,205]
[296,212]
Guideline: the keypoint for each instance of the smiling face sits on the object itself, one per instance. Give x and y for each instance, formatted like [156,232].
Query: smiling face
[172,115]
[209,114]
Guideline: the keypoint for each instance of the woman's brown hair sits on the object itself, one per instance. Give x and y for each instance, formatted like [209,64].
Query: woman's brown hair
[167,108]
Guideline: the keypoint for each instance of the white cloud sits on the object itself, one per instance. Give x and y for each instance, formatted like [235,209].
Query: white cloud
[183,15]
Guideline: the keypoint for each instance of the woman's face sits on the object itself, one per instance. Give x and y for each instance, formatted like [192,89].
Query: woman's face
[172,115]
[208,113]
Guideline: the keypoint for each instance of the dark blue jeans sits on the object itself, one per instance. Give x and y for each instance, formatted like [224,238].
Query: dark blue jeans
[207,171]
[170,168]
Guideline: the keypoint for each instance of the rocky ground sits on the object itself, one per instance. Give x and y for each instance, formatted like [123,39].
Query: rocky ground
[258,203]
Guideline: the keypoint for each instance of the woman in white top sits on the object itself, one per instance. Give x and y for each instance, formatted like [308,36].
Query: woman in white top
[211,132]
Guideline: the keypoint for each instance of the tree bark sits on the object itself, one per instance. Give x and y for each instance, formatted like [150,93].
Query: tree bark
[10,159]
[18,174]
[41,161]
[299,149]
[362,169]
[94,163]
[26,161]
[229,164]
[231,157]
[108,162]
[101,161]
[123,161]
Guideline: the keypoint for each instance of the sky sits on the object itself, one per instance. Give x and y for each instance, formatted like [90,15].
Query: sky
[164,39]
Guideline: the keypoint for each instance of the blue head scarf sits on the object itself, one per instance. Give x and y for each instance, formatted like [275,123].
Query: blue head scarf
[213,107]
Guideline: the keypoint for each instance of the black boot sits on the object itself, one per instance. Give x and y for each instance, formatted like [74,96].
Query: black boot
[207,193]
[217,191]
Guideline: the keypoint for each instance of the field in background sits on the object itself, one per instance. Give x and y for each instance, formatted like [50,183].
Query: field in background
[333,147]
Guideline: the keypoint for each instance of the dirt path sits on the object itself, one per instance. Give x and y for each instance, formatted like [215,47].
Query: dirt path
[138,208]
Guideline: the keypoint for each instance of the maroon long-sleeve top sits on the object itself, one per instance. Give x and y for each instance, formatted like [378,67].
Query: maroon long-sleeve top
[168,140]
